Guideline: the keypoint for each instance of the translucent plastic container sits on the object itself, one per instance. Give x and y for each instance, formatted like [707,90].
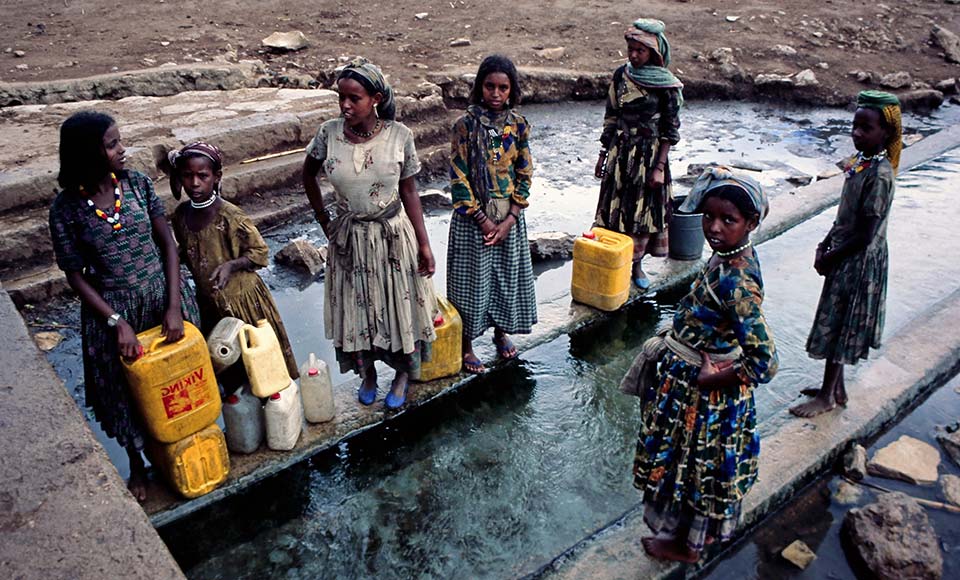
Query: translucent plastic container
[194,465]
[316,391]
[263,359]
[448,348]
[602,262]
[173,384]
[283,415]
[224,343]
[243,417]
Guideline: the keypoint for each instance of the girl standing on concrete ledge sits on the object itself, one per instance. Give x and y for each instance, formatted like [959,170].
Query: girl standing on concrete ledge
[853,257]
[111,238]
[641,123]
[378,299]
[698,448]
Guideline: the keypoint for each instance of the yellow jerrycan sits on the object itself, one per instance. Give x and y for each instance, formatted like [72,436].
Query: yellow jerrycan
[194,465]
[601,269]
[173,384]
[263,359]
[447,349]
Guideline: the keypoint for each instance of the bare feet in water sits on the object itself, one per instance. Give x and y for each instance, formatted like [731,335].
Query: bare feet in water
[137,484]
[669,549]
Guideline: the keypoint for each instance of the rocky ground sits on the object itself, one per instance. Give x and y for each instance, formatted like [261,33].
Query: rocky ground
[839,47]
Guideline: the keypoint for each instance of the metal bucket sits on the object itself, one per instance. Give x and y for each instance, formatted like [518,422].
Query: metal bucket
[686,233]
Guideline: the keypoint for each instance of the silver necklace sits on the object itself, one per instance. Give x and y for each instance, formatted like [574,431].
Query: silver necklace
[734,251]
[204,204]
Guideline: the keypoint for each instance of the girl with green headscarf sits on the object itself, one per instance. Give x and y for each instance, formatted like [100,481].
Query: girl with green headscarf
[640,125]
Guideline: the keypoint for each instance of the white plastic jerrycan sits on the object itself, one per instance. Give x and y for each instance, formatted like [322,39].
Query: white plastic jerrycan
[243,417]
[224,343]
[316,390]
[263,359]
[284,418]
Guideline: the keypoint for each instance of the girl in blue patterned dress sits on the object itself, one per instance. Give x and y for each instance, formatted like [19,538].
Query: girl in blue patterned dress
[112,241]
[698,448]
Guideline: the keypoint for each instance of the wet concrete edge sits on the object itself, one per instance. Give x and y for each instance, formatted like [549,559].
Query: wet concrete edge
[558,316]
[909,367]
[64,510]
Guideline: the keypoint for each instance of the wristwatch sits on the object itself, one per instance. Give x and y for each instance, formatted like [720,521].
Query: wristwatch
[113,320]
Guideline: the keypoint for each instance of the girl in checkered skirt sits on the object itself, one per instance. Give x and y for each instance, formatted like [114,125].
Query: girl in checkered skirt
[489,274]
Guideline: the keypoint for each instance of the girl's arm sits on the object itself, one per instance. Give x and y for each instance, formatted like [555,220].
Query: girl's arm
[173,317]
[311,170]
[877,193]
[247,244]
[464,201]
[126,337]
[411,204]
[867,228]
[669,131]
[610,118]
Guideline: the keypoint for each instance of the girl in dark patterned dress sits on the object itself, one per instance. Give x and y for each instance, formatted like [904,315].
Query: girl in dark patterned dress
[640,125]
[853,257]
[489,273]
[223,249]
[112,240]
[698,448]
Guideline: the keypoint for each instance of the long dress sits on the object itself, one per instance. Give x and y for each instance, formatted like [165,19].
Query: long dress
[376,305]
[126,268]
[636,122]
[850,314]
[230,235]
[490,285]
[698,451]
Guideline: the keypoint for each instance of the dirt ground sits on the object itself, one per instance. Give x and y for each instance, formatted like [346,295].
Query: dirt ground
[411,38]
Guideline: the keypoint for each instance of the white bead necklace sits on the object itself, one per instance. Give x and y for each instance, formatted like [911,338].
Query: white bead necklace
[734,251]
[204,204]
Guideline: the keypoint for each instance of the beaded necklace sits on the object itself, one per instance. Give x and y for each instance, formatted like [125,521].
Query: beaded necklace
[734,251]
[113,220]
[364,134]
[859,162]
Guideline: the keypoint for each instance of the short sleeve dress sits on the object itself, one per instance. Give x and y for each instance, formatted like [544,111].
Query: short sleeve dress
[375,303]
[126,268]
[698,451]
[229,236]
[849,318]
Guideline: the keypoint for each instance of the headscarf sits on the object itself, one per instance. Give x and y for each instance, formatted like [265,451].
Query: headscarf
[197,148]
[718,176]
[889,106]
[371,77]
[649,32]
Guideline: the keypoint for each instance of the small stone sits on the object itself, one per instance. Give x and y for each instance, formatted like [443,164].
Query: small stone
[823,65]
[772,80]
[696,169]
[805,78]
[19,53]
[293,40]
[418,65]
[551,246]
[847,493]
[855,458]
[893,538]
[732,18]
[47,341]
[722,55]
[421,15]
[747,165]
[302,255]
[798,554]
[799,179]
[552,53]
[950,485]
[907,459]
[896,80]
[460,42]
[732,71]
[164,43]
[280,558]
[912,138]
[784,50]
[951,444]
[948,41]
[22,67]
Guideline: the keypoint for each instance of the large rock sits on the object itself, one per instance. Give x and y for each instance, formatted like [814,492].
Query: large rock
[855,462]
[896,80]
[773,80]
[908,459]
[950,486]
[948,41]
[551,246]
[284,41]
[951,444]
[798,554]
[921,100]
[805,78]
[893,539]
[435,198]
[302,255]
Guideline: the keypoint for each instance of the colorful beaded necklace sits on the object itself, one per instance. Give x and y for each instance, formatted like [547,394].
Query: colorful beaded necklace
[859,162]
[113,220]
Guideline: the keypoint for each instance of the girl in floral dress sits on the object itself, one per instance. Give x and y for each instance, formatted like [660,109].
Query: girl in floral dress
[698,448]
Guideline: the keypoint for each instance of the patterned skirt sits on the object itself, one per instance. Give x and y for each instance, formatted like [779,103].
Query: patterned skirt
[849,319]
[378,308]
[697,453]
[490,285]
[627,204]
[105,386]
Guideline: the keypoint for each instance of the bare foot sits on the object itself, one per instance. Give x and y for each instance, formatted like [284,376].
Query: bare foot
[137,484]
[669,549]
[840,396]
[815,407]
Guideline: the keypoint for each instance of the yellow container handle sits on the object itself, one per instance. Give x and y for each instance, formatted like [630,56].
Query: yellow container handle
[160,340]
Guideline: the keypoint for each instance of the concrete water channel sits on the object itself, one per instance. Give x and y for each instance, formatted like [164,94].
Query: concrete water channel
[509,473]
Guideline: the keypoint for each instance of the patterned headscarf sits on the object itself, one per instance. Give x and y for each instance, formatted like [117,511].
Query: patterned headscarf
[371,77]
[889,106]
[649,32]
[718,176]
[211,152]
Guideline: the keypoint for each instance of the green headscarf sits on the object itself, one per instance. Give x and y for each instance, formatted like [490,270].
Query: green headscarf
[650,32]
[889,106]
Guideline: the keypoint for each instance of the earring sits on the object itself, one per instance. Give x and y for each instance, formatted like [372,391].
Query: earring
[376,112]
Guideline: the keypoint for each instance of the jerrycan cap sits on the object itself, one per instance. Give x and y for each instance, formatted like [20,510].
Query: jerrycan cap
[275,397]
[590,235]
[438,321]
[233,399]
[312,372]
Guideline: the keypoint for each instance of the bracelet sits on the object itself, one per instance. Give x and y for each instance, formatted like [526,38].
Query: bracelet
[661,164]
[479,216]
[516,216]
